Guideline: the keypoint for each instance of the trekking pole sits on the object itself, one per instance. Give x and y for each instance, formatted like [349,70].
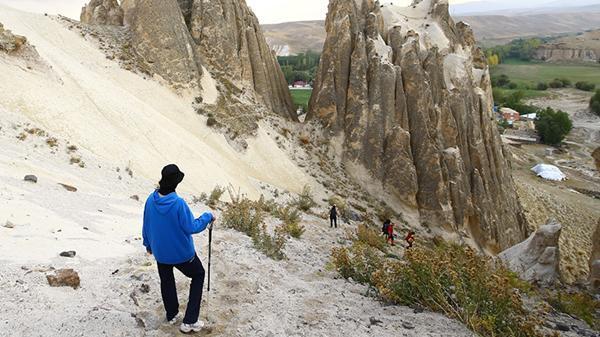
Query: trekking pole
[209,257]
[209,253]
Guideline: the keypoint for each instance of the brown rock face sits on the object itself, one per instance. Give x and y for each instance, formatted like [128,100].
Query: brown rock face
[64,278]
[161,38]
[230,40]
[412,99]
[178,38]
[102,12]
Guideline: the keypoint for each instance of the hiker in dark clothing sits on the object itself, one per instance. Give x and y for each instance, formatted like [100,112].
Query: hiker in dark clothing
[385,227]
[410,239]
[333,217]
[167,234]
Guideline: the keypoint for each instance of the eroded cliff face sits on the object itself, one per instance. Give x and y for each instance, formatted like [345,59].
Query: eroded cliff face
[557,53]
[410,93]
[180,39]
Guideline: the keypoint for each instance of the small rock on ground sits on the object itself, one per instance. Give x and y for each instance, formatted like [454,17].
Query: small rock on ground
[70,253]
[9,224]
[31,178]
[64,278]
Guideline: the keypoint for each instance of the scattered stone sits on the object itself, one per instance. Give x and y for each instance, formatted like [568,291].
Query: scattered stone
[115,272]
[9,224]
[68,187]
[147,320]
[70,253]
[374,321]
[562,327]
[86,229]
[144,288]
[31,178]
[135,197]
[64,278]
[418,310]
[407,325]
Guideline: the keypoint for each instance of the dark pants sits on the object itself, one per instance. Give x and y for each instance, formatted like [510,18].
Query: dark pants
[192,269]
[332,222]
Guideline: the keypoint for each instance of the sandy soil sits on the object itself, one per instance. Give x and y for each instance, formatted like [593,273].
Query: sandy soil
[119,294]
[126,118]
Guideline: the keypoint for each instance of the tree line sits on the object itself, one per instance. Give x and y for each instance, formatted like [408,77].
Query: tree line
[301,67]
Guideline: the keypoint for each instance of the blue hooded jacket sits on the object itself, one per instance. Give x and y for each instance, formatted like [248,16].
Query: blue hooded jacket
[168,228]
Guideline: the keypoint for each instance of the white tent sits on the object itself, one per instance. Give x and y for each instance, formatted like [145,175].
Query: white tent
[549,172]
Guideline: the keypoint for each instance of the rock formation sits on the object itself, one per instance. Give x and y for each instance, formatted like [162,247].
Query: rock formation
[410,93]
[596,156]
[102,12]
[10,43]
[583,48]
[537,258]
[161,38]
[177,39]
[230,40]
[595,259]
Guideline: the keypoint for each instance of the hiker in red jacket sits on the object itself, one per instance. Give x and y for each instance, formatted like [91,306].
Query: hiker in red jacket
[390,233]
[410,239]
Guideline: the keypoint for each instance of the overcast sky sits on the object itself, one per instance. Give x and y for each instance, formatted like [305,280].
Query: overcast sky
[268,11]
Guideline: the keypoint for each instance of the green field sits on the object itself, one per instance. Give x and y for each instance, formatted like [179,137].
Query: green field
[529,74]
[301,97]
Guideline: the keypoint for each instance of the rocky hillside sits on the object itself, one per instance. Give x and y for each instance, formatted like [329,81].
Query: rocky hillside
[180,40]
[580,48]
[410,100]
[490,30]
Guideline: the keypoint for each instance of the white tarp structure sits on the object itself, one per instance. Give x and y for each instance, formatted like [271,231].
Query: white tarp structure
[549,172]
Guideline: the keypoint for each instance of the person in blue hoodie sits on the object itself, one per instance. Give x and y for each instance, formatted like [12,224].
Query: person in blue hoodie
[167,234]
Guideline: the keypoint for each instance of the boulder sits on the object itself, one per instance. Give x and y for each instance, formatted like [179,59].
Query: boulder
[595,259]
[10,43]
[102,12]
[31,178]
[409,94]
[537,258]
[64,278]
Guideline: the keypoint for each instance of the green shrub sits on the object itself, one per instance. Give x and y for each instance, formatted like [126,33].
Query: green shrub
[512,85]
[565,82]
[306,200]
[542,86]
[290,216]
[242,215]
[461,284]
[358,262]
[271,245]
[585,86]
[555,84]
[595,103]
[553,126]
[215,196]
[577,304]
[267,206]
[371,237]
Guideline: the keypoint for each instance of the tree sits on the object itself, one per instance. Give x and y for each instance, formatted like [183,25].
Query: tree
[553,126]
[595,103]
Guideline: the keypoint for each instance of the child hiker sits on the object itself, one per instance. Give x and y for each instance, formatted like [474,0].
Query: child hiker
[410,239]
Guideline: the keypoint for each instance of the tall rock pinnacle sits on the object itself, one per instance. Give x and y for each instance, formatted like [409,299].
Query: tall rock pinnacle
[410,93]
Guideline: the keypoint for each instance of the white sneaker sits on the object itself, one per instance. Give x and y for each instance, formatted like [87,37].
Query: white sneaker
[175,319]
[187,328]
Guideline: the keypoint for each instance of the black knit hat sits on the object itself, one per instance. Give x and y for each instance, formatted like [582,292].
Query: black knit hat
[171,177]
